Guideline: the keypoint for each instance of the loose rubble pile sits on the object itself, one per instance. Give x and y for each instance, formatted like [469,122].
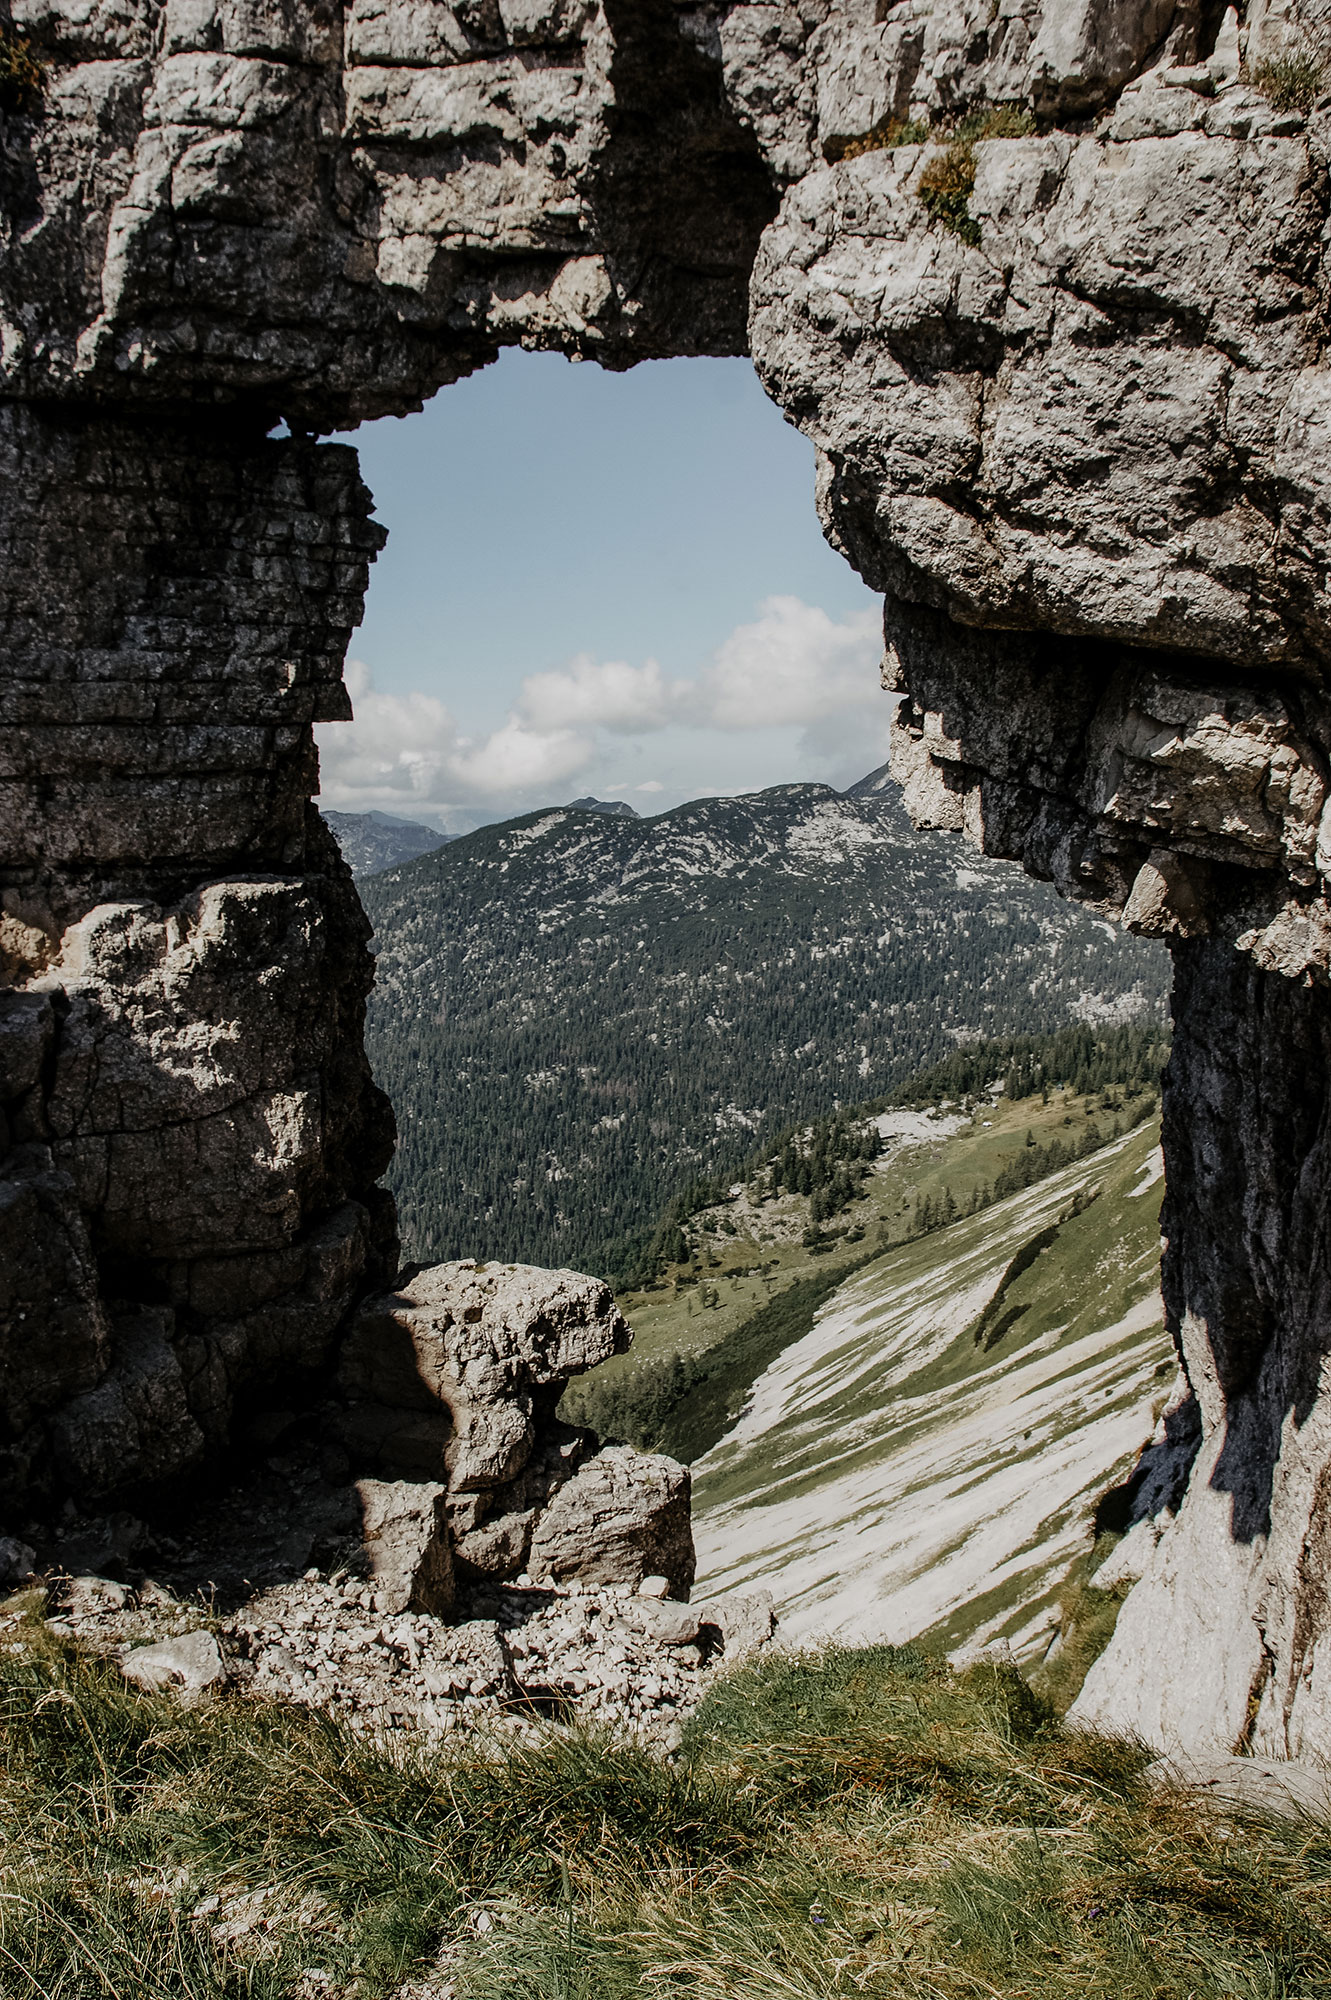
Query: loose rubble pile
[506,1571]
[528,1653]
[521,1656]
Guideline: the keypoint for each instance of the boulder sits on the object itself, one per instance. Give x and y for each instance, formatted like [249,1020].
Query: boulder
[16,1561]
[745,1623]
[490,1346]
[189,1665]
[670,1624]
[405,1532]
[458,1373]
[92,1596]
[624,1516]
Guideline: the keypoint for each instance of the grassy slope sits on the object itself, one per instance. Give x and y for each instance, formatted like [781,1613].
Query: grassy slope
[765,1255]
[929,1455]
[847,1823]
[929,1433]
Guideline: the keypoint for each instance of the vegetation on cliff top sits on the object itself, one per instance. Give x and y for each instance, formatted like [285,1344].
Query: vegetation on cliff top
[22,72]
[839,1823]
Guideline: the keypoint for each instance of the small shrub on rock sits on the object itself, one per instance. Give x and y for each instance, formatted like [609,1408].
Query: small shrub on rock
[945,188]
[947,183]
[884,136]
[1289,82]
[21,72]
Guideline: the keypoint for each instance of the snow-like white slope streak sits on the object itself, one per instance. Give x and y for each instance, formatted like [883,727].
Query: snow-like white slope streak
[876,1504]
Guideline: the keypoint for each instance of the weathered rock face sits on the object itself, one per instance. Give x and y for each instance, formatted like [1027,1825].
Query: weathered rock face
[459,1371]
[191,1135]
[623,1517]
[404,1531]
[1083,447]
[329,209]
[316,212]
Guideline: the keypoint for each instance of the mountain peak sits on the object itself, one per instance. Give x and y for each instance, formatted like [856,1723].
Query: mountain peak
[371,841]
[876,782]
[617,808]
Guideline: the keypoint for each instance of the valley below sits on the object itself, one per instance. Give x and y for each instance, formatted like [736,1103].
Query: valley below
[576,1014]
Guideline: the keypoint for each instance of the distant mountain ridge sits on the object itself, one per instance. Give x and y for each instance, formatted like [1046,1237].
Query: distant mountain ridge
[575,1013]
[872,785]
[374,840]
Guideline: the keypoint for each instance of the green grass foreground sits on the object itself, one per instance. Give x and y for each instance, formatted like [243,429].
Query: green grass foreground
[850,1822]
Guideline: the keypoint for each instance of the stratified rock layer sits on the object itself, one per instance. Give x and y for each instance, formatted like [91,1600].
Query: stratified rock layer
[187,1198]
[1082,443]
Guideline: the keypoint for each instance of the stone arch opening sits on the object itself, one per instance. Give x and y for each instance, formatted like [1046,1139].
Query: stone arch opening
[1084,455]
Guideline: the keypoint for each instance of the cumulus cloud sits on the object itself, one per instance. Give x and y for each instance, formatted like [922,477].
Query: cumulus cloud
[793,665]
[606,694]
[405,754]
[520,758]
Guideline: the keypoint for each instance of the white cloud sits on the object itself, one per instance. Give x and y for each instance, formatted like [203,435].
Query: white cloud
[607,694]
[793,667]
[793,664]
[404,754]
[518,758]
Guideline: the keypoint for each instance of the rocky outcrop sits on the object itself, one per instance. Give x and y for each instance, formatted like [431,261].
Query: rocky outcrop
[191,1138]
[327,210]
[623,1517]
[1079,439]
[404,1533]
[459,1371]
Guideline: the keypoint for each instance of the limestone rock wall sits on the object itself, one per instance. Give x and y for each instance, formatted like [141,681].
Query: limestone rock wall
[1224,1641]
[190,1135]
[326,208]
[1082,443]
[1082,448]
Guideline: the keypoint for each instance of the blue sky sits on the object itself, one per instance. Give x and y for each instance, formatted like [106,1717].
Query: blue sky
[600,583]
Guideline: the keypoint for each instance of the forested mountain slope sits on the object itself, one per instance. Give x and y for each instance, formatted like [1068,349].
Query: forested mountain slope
[576,1013]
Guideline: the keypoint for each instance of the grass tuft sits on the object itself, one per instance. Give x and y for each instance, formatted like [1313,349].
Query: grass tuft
[1290,82]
